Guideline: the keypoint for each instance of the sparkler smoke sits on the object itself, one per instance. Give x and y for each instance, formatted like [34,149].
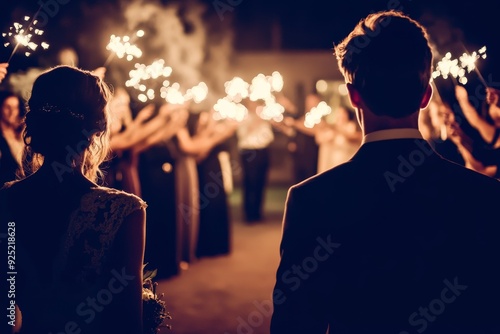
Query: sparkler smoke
[184,38]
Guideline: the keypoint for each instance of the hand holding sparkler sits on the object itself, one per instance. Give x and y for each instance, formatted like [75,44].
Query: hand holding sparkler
[3,71]
[486,130]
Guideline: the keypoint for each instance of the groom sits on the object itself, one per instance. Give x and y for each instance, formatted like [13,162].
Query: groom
[397,240]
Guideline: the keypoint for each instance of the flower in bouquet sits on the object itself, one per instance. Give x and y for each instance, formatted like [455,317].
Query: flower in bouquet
[153,307]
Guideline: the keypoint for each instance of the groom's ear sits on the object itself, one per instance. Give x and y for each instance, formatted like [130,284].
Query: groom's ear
[354,96]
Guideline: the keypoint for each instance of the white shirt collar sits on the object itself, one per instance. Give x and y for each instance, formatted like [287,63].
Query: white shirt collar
[392,134]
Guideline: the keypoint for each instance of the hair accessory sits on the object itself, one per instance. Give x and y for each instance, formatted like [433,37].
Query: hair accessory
[55,109]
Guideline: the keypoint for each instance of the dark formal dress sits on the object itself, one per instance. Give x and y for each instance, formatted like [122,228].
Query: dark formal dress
[157,169]
[396,240]
[215,226]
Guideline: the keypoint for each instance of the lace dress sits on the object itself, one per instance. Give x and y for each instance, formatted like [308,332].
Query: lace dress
[67,280]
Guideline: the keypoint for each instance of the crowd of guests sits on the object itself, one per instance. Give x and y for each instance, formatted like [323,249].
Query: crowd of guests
[167,155]
[171,158]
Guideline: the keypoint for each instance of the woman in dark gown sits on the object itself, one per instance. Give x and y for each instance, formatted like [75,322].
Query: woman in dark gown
[215,224]
[214,232]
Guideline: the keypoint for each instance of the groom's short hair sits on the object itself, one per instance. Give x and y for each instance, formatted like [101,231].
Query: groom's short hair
[387,58]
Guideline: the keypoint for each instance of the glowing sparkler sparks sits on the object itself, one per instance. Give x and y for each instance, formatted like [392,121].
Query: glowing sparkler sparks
[172,94]
[277,82]
[197,93]
[124,47]
[272,110]
[24,34]
[458,68]
[142,72]
[260,88]
[236,89]
[314,116]
[227,109]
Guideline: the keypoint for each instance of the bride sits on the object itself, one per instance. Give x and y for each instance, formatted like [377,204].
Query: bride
[79,247]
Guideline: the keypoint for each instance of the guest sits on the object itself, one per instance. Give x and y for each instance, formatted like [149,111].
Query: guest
[74,239]
[482,154]
[376,245]
[303,145]
[11,141]
[488,129]
[436,123]
[130,136]
[337,141]
[158,170]
[254,137]
[205,141]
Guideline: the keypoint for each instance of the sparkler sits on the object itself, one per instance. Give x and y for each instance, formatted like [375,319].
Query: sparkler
[142,72]
[227,109]
[314,116]
[24,34]
[272,110]
[261,87]
[458,68]
[468,61]
[124,47]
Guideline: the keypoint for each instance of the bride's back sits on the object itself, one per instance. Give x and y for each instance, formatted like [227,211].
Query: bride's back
[79,247]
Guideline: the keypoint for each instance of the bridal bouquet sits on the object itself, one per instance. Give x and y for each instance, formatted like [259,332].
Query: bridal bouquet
[153,307]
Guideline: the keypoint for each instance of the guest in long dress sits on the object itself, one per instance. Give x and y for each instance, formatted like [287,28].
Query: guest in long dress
[209,230]
[158,167]
[255,135]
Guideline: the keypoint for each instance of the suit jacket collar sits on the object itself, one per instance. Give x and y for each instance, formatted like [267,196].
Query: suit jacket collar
[408,148]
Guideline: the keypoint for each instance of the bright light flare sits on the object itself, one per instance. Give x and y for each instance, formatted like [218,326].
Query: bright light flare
[314,116]
[458,68]
[260,88]
[272,110]
[23,34]
[276,81]
[227,109]
[123,47]
[197,93]
[237,89]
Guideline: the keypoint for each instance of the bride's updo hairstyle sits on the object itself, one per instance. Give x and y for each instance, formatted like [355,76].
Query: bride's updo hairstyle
[67,122]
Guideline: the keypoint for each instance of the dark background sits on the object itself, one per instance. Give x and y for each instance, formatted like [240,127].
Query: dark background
[311,24]
[260,25]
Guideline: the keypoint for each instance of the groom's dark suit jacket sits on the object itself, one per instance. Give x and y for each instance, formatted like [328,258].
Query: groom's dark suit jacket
[397,240]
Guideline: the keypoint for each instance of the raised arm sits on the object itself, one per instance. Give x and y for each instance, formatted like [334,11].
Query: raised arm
[206,138]
[486,130]
[176,122]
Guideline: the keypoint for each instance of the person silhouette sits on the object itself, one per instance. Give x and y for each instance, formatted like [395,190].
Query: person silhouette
[397,239]
[79,246]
